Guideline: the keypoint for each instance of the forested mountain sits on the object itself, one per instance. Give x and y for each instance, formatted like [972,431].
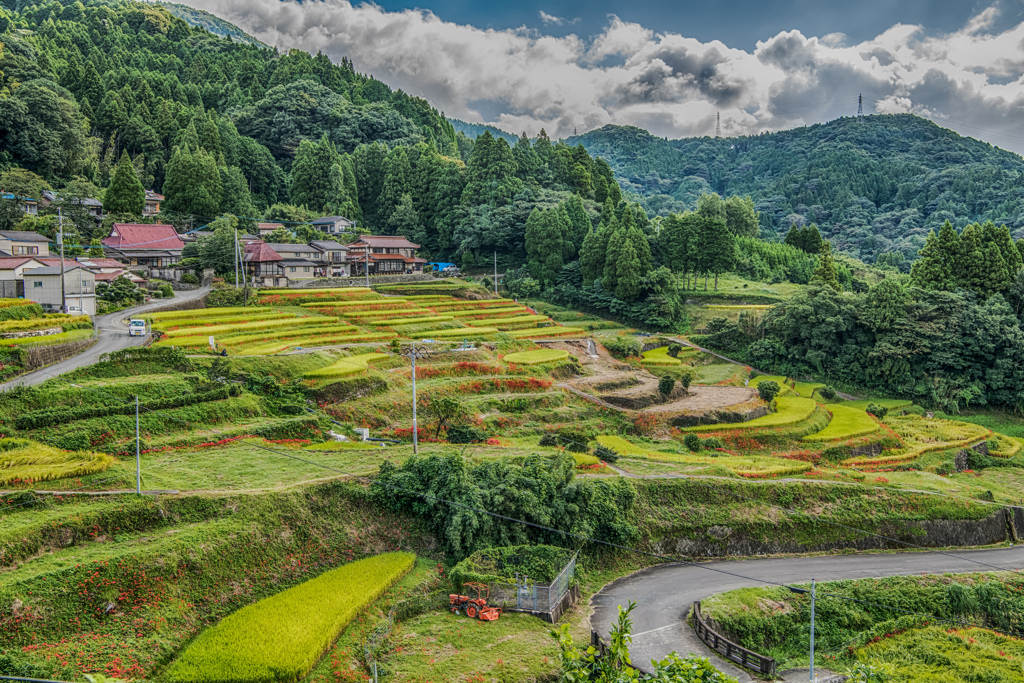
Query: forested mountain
[475,130]
[210,22]
[872,184]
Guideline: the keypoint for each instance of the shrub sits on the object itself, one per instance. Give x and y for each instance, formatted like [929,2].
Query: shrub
[767,391]
[666,385]
[574,439]
[606,454]
[877,410]
[623,347]
[827,393]
[549,440]
[686,376]
[189,279]
[674,350]
[465,434]
[712,442]
[282,637]
[692,442]
[165,290]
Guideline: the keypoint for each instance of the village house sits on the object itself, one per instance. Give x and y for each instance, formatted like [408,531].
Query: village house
[43,285]
[24,243]
[387,254]
[333,225]
[93,206]
[143,246]
[263,265]
[333,259]
[152,206]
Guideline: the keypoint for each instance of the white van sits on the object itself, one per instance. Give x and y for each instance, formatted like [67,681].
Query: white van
[136,327]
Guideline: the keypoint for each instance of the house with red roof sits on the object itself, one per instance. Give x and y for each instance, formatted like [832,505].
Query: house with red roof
[264,267]
[384,255]
[143,246]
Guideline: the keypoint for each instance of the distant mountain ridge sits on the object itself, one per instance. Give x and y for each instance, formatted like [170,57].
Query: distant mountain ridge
[475,130]
[873,184]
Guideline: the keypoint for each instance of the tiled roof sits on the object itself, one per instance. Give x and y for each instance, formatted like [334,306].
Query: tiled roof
[328,245]
[23,236]
[393,241]
[153,195]
[15,261]
[138,236]
[269,226]
[53,270]
[99,262]
[55,262]
[260,252]
[331,219]
[292,248]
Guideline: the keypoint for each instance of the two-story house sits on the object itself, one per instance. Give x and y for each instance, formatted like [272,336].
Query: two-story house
[333,259]
[43,285]
[263,265]
[93,206]
[152,205]
[28,205]
[387,254]
[298,260]
[333,225]
[24,243]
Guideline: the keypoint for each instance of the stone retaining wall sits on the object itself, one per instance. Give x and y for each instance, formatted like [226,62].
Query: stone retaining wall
[42,356]
[190,305]
[723,541]
[722,417]
[357,281]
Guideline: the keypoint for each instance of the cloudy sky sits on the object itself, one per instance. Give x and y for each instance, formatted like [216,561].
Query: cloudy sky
[670,66]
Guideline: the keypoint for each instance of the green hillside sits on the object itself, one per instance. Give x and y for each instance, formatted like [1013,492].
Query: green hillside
[872,184]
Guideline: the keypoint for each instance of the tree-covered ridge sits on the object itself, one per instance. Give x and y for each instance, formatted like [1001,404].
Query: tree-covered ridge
[80,83]
[209,22]
[475,130]
[873,184]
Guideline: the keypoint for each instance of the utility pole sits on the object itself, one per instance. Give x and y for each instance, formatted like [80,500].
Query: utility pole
[412,353]
[236,257]
[138,460]
[812,632]
[495,273]
[60,241]
[366,254]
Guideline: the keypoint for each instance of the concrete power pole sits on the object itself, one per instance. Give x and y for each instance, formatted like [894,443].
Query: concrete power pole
[60,241]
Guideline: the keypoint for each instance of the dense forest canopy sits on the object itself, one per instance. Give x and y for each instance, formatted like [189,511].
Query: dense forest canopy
[874,185]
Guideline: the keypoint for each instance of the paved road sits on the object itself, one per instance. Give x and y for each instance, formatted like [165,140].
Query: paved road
[664,594]
[113,336]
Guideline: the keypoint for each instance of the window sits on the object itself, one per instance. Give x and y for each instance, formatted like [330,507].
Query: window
[378,250]
[291,269]
[305,269]
[37,283]
[392,250]
[26,251]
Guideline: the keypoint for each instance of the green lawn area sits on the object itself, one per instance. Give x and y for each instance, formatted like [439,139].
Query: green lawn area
[846,423]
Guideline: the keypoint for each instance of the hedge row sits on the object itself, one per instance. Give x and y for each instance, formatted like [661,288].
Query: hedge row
[47,417]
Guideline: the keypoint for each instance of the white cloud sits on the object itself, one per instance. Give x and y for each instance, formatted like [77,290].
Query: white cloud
[669,83]
[551,18]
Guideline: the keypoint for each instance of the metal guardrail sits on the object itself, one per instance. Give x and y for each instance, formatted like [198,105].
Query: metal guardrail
[728,649]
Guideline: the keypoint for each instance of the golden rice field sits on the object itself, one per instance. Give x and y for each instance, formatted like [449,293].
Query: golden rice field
[282,637]
[23,460]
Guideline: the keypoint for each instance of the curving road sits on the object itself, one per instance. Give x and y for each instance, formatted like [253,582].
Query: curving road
[665,593]
[113,336]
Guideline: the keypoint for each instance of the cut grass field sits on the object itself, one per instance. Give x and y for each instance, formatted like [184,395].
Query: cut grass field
[791,410]
[280,638]
[846,423]
[537,356]
[23,460]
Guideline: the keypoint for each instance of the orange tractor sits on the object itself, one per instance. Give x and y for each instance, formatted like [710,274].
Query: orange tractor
[476,608]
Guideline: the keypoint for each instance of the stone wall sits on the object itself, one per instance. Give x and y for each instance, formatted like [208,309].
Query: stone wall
[357,281]
[48,355]
[722,417]
[190,305]
[725,541]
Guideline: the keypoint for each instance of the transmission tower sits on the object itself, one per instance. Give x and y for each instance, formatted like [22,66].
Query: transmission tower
[718,125]
[860,105]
